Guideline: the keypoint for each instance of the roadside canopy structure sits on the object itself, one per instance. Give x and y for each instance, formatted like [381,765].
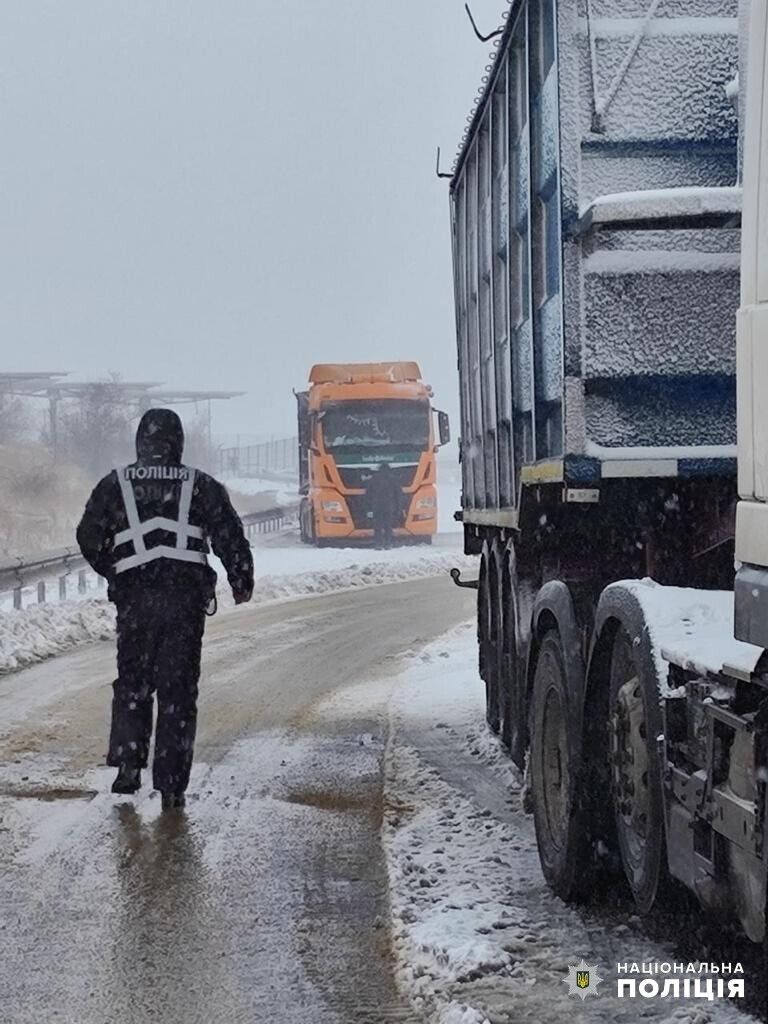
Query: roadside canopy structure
[142,395]
[163,397]
[30,384]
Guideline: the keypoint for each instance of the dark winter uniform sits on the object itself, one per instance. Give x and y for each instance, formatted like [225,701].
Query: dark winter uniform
[146,528]
[385,496]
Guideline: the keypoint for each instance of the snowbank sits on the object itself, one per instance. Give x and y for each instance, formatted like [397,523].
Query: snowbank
[284,489]
[282,574]
[363,573]
[41,631]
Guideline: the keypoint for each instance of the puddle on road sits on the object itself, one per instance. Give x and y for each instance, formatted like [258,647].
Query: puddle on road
[329,801]
[46,793]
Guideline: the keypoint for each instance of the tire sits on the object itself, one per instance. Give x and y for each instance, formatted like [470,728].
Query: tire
[635,772]
[554,771]
[303,520]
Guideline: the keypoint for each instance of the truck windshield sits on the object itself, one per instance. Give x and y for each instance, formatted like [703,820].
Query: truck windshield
[393,425]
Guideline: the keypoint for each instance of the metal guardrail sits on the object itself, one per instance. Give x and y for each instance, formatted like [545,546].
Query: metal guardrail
[66,564]
[18,573]
[270,520]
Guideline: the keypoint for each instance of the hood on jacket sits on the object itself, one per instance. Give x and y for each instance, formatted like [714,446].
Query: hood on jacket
[160,436]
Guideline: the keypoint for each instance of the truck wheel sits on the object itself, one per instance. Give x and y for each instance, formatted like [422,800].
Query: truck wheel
[634,723]
[553,771]
[303,520]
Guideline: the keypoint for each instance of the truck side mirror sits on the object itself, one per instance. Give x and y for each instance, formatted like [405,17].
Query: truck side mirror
[443,427]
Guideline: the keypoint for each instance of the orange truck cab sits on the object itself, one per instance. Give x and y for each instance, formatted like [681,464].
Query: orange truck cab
[353,418]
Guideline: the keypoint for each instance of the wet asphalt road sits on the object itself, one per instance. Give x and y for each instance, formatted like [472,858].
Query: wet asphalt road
[266,899]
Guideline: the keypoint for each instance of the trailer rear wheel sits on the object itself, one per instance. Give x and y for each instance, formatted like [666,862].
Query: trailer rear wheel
[553,768]
[635,775]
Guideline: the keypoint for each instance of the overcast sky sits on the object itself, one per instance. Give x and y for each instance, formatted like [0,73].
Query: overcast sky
[218,194]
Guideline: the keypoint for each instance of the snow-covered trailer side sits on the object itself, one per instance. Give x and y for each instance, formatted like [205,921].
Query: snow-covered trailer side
[596,221]
[595,237]
[591,210]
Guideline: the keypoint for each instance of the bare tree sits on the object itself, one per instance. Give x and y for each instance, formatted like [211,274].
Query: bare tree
[96,430]
[14,419]
[198,449]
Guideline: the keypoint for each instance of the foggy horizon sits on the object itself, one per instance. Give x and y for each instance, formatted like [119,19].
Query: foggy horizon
[220,201]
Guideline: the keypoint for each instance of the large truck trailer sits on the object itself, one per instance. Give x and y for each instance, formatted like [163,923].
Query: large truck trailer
[596,235]
[353,418]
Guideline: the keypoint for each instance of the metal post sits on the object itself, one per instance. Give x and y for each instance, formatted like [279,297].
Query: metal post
[62,588]
[82,582]
[100,581]
[41,592]
[17,598]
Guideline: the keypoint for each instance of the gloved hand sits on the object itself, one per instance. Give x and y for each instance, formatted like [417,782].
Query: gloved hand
[242,596]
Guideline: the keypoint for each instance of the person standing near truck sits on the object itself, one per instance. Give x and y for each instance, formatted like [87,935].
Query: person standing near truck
[146,528]
[385,497]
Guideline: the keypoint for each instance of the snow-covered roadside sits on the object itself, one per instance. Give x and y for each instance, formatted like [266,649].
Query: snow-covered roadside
[477,935]
[285,490]
[43,630]
[40,631]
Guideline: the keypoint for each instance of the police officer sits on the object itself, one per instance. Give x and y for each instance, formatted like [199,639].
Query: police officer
[146,529]
[386,499]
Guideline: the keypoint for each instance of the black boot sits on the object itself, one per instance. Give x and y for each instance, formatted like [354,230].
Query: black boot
[128,780]
[172,800]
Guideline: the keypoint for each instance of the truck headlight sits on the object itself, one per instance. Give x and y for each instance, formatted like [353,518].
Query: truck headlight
[332,506]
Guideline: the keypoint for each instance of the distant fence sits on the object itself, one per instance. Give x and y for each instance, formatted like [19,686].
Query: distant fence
[64,571]
[255,460]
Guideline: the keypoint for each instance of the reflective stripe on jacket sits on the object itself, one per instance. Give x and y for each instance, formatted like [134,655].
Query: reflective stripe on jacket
[137,530]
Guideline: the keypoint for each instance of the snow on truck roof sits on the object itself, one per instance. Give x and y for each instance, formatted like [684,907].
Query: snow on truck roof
[365,373]
[692,629]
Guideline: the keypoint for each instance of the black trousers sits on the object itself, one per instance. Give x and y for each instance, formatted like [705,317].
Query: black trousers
[382,533]
[159,637]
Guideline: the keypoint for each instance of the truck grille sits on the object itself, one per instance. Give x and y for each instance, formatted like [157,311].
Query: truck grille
[360,476]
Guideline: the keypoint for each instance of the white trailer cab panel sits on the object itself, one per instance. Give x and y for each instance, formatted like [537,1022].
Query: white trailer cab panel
[751,590]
